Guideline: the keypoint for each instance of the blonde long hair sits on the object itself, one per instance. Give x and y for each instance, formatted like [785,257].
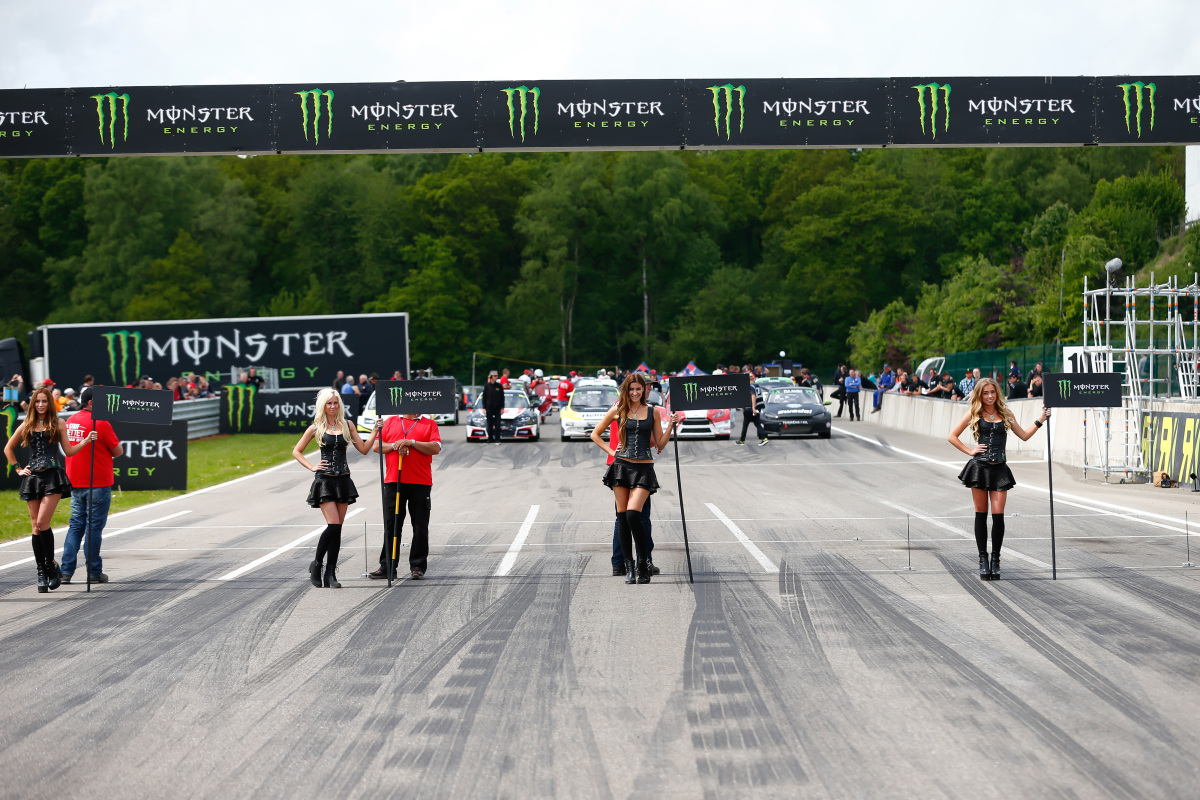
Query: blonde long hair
[624,403]
[324,397]
[977,405]
[54,426]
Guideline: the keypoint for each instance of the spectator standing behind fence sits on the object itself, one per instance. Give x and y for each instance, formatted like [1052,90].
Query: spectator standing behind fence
[967,384]
[1035,385]
[1017,390]
[853,386]
[887,379]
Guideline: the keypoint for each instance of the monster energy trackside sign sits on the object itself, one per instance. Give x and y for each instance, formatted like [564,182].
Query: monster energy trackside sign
[245,409]
[720,111]
[704,392]
[1082,389]
[147,406]
[415,397]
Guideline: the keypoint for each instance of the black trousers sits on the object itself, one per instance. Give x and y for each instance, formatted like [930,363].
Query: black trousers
[416,497]
[749,416]
[493,425]
[852,401]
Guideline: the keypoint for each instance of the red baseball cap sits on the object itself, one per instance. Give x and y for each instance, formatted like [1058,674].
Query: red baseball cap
[48,382]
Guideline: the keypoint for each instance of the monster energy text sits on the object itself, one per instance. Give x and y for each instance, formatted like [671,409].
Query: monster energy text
[933,89]
[318,98]
[522,97]
[722,95]
[106,113]
[1144,96]
[16,118]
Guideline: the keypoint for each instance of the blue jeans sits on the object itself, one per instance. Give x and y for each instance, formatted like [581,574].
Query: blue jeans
[618,558]
[101,500]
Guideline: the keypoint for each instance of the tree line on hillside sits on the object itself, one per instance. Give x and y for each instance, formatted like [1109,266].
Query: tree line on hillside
[588,258]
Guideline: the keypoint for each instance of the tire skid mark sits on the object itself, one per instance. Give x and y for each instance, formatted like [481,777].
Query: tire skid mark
[857,593]
[1178,602]
[1074,667]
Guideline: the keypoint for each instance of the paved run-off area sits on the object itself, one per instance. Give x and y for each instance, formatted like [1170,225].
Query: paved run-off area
[805,660]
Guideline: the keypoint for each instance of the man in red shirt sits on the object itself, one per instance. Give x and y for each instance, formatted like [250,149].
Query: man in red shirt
[90,497]
[409,443]
[565,387]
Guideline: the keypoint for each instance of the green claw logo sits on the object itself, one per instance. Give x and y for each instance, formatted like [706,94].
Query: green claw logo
[723,96]
[1064,388]
[316,95]
[690,392]
[108,116]
[10,423]
[119,343]
[395,393]
[934,88]
[522,95]
[114,403]
[1138,88]
[241,402]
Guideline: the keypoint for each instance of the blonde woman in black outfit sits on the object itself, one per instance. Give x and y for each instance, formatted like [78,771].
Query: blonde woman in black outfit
[44,478]
[987,473]
[332,491]
[631,475]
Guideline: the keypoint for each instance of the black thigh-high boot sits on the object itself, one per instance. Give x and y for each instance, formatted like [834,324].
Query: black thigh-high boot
[314,569]
[634,520]
[40,559]
[997,543]
[981,543]
[626,536]
[53,573]
[335,549]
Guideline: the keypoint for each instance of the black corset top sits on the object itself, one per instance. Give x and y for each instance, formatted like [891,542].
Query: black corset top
[993,436]
[42,454]
[637,438]
[333,453]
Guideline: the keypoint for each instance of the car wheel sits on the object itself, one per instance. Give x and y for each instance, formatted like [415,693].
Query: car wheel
[721,436]
[566,438]
[825,435]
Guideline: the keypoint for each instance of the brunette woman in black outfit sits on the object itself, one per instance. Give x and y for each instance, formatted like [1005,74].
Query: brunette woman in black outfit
[987,473]
[43,479]
[631,475]
[332,490]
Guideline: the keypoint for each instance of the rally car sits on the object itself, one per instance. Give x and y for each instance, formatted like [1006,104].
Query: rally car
[796,409]
[715,422]
[586,405]
[519,419]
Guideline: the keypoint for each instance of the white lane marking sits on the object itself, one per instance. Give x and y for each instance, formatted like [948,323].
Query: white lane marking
[258,562]
[759,556]
[510,558]
[105,536]
[1099,506]
[1008,551]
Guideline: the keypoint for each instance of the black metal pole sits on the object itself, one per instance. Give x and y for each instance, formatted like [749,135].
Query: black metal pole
[1050,477]
[383,498]
[87,536]
[682,517]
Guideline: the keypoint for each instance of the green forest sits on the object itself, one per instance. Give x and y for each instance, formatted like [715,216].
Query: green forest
[602,258]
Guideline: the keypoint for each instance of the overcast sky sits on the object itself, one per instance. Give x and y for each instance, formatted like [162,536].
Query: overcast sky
[160,42]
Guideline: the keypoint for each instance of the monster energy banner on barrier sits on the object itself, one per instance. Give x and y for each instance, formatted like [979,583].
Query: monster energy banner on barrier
[145,406]
[415,397]
[307,351]
[244,409]
[1082,390]
[9,479]
[155,456]
[1148,110]
[787,113]
[553,115]
[704,392]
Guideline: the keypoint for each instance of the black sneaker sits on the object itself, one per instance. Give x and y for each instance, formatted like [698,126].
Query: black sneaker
[417,575]
[764,441]
[743,441]
[101,578]
[66,578]
[378,575]
[653,569]
[618,570]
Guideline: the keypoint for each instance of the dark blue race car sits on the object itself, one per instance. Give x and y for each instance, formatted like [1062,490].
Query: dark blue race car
[797,410]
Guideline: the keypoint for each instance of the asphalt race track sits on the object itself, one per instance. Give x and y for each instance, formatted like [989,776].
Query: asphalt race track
[805,660]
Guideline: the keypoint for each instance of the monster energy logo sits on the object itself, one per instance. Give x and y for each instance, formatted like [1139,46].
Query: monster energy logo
[241,399]
[119,351]
[1138,88]
[114,403]
[316,95]
[1064,388]
[522,95]
[723,96]
[933,105]
[107,115]
[395,393]
[690,392]
[10,422]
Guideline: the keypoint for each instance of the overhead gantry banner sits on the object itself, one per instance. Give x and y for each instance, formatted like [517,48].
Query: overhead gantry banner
[717,113]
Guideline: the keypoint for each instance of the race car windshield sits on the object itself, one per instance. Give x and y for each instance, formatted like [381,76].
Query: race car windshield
[793,396]
[511,400]
[593,399]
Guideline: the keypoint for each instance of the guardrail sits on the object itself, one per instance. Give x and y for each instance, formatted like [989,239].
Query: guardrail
[203,416]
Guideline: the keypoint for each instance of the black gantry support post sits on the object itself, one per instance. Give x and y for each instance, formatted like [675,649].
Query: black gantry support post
[682,518]
[1050,481]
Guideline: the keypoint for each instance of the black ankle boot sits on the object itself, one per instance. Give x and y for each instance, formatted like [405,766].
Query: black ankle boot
[985,572]
[41,579]
[53,576]
[314,573]
[630,575]
[995,566]
[643,569]
[331,581]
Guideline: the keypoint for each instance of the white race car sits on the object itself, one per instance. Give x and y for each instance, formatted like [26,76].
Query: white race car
[585,407]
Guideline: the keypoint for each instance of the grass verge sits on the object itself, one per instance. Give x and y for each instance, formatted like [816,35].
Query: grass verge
[213,460]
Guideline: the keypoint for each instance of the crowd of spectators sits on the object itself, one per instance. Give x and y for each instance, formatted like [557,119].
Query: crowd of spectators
[943,386]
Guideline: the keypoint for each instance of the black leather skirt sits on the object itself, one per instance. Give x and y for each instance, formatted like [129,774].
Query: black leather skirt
[631,475]
[990,477]
[48,481]
[331,489]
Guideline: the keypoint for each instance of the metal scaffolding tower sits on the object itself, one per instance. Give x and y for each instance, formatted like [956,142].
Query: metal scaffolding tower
[1156,348]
